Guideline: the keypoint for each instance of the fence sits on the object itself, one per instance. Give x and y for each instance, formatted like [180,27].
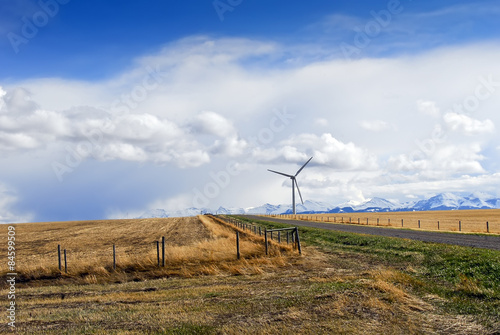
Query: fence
[470,222]
[292,234]
[292,237]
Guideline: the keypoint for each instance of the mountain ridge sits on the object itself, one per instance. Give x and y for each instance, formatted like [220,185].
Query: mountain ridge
[441,201]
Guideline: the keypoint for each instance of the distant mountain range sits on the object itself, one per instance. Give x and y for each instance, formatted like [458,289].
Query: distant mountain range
[442,201]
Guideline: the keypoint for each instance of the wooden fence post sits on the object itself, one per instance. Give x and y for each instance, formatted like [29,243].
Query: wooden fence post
[438,225]
[158,252]
[59,256]
[65,262]
[163,250]
[265,239]
[418,223]
[487,227]
[238,244]
[298,240]
[459,225]
[401,222]
[114,257]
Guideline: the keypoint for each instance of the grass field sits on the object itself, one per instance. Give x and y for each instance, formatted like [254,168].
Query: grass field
[193,245]
[472,221]
[343,284]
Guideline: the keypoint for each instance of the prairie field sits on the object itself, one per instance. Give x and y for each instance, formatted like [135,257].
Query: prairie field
[469,221]
[192,245]
[343,283]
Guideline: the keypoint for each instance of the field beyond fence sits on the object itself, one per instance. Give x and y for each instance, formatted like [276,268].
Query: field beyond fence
[123,250]
[467,221]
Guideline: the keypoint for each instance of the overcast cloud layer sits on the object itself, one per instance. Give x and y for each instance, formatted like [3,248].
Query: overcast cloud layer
[198,122]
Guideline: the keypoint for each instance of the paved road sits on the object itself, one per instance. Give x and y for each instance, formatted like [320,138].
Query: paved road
[477,241]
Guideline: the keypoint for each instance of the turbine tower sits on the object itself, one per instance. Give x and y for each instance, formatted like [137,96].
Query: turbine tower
[294,182]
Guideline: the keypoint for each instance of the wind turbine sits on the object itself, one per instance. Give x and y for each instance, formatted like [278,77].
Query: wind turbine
[294,182]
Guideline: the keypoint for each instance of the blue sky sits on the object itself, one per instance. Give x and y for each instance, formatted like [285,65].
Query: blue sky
[112,108]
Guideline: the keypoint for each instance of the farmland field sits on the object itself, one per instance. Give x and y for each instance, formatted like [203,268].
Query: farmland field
[343,283]
[192,244]
[471,221]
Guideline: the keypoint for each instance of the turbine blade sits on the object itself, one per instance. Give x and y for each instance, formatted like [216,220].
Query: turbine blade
[281,173]
[303,166]
[298,189]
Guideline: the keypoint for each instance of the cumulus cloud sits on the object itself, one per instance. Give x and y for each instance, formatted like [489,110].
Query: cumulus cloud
[326,150]
[211,94]
[444,160]
[468,125]
[89,131]
[210,123]
[213,124]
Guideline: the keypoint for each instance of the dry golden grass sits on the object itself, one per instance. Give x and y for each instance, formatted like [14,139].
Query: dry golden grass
[205,290]
[472,221]
[194,246]
[317,294]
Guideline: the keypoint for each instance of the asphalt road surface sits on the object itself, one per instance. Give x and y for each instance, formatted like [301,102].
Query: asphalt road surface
[468,240]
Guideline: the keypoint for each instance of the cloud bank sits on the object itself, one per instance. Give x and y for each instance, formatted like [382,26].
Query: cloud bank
[375,126]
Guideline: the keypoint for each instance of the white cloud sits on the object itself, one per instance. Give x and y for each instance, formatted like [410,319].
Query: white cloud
[7,200]
[468,125]
[375,125]
[92,132]
[326,150]
[443,161]
[212,94]
[213,124]
[429,108]
[322,122]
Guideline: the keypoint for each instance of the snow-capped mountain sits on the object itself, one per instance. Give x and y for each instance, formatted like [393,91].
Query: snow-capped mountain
[227,211]
[442,201]
[161,213]
[447,201]
[375,204]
